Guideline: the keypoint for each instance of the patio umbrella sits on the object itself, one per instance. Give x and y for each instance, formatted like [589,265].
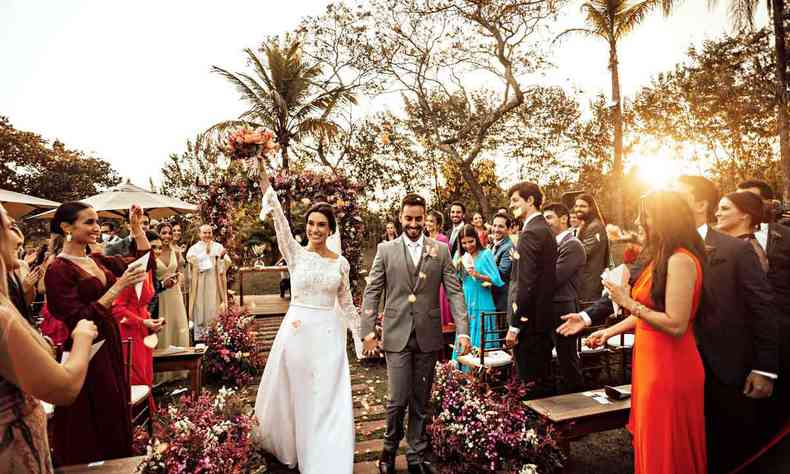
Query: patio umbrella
[18,204]
[115,202]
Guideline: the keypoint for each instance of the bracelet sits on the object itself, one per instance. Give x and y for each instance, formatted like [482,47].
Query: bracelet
[638,310]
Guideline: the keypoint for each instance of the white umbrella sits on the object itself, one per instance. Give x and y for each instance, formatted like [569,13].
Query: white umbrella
[18,204]
[115,202]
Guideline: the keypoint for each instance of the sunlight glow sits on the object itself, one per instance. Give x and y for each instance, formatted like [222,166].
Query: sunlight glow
[657,172]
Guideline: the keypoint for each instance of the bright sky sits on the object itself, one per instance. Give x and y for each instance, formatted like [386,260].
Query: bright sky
[131,82]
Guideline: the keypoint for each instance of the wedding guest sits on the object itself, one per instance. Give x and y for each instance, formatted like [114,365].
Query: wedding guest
[97,426]
[478,278]
[736,333]
[592,233]
[479,223]
[53,328]
[175,332]
[458,220]
[501,247]
[29,373]
[183,265]
[109,233]
[21,288]
[574,223]
[122,246]
[131,312]
[209,263]
[663,305]
[740,215]
[532,285]
[390,232]
[570,263]
[434,222]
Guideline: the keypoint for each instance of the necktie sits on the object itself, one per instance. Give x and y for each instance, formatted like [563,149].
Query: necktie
[758,249]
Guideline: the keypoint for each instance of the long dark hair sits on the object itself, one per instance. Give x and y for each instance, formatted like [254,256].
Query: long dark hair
[594,209]
[468,230]
[326,210]
[672,228]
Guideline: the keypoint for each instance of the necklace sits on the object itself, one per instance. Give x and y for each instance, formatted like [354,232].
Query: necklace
[75,258]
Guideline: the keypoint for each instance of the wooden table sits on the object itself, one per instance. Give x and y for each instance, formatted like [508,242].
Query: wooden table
[576,414]
[243,270]
[189,359]
[115,466]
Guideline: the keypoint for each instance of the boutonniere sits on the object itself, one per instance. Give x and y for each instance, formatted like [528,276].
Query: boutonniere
[514,254]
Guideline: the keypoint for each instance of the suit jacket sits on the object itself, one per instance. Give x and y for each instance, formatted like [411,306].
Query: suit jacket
[533,278]
[778,251]
[504,264]
[455,242]
[596,246]
[736,328]
[117,247]
[394,274]
[570,263]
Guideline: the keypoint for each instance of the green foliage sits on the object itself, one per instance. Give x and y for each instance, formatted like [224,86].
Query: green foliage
[30,165]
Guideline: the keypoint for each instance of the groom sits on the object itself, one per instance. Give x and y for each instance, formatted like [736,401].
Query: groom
[410,270]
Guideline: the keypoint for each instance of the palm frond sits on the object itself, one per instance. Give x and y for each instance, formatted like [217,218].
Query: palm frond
[316,127]
[741,13]
[259,69]
[597,19]
[579,31]
[246,91]
[630,17]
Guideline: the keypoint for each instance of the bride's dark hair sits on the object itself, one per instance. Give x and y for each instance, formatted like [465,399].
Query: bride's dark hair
[325,209]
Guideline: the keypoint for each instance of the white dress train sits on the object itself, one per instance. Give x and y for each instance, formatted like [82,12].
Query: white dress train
[304,406]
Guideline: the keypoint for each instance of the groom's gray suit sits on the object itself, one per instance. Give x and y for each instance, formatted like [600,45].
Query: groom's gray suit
[412,330]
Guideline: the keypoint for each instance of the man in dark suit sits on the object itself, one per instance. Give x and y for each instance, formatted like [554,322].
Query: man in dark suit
[570,263]
[457,221]
[532,285]
[774,238]
[501,245]
[592,233]
[736,331]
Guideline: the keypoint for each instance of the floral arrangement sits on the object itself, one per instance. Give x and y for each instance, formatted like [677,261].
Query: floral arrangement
[476,430]
[232,357]
[247,144]
[210,434]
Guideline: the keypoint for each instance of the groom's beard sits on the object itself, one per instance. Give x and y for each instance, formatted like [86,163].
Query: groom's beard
[413,232]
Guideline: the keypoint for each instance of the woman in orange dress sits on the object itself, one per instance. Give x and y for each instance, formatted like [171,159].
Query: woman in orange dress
[667,407]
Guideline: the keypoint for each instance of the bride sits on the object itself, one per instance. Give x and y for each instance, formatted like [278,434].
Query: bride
[304,405]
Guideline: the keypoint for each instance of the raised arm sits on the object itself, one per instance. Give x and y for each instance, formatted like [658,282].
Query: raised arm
[271,205]
[348,312]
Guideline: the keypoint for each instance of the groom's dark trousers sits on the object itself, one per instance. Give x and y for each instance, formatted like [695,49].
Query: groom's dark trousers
[410,377]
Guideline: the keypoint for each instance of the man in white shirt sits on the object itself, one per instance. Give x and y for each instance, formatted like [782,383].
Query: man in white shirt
[458,219]
[209,263]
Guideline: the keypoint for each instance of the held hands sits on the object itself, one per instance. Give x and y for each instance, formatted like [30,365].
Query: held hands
[758,386]
[370,345]
[85,330]
[573,324]
[511,339]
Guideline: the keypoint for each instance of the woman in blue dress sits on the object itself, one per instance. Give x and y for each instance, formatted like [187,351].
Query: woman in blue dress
[479,273]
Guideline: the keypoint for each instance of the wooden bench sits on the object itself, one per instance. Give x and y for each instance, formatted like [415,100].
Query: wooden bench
[114,466]
[189,359]
[578,414]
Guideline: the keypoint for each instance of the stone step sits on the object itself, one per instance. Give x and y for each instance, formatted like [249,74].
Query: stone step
[360,389]
[371,450]
[368,429]
[373,413]
[372,467]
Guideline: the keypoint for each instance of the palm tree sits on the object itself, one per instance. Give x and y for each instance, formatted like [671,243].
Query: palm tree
[285,96]
[611,20]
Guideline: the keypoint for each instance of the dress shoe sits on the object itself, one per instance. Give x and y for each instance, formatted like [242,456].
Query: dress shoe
[422,468]
[387,463]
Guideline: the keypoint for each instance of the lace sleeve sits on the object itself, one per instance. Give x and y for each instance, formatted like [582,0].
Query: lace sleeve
[285,241]
[346,310]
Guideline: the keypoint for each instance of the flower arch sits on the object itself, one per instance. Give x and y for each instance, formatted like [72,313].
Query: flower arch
[234,193]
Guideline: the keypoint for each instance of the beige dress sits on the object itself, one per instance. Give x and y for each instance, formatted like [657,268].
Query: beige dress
[175,332]
[208,293]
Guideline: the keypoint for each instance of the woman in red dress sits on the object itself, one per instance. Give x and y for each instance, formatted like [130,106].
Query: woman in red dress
[135,322]
[97,425]
[667,407]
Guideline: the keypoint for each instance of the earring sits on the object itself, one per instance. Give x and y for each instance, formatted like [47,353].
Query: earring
[68,237]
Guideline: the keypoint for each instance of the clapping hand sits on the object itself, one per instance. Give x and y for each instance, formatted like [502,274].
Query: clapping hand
[620,294]
[154,325]
[85,329]
[31,279]
[573,325]
[136,217]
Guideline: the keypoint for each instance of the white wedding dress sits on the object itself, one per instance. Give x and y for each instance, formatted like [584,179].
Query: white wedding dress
[304,406]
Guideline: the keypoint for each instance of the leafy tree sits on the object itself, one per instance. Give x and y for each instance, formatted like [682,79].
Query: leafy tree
[30,165]
[201,162]
[611,20]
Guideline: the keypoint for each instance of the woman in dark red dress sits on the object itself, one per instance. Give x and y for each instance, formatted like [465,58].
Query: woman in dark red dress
[79,286]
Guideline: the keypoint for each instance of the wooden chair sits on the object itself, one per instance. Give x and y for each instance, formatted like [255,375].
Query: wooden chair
[623,345]
[491,357]
[138,401]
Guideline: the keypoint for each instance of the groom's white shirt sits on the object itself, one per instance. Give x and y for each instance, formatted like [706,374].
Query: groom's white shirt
[415,247]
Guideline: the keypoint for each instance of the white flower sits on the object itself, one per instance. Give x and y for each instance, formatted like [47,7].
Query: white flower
[531,437]
[529,469]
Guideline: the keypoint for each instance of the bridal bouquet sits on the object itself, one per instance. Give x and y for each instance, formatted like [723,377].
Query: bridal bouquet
[247,145]
[476,430]
[232,357]
[211,434]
